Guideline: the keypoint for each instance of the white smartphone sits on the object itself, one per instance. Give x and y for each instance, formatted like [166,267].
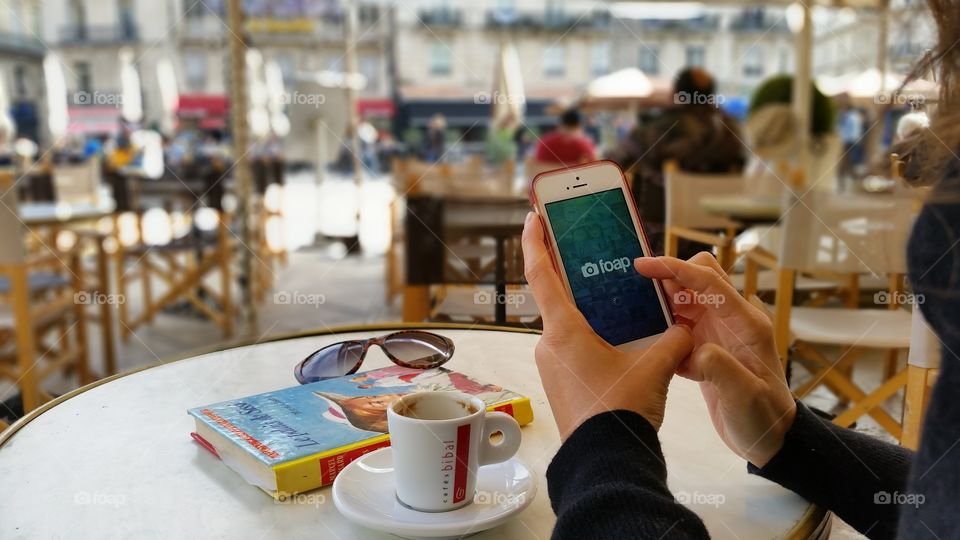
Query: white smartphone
[595,234]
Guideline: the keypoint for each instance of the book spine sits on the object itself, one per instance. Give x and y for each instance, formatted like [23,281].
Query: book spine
[320,470]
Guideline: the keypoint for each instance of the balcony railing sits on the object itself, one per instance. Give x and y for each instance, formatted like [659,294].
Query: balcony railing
[103,34]
[549,20]
[757,20]
[21,44]
[703,23]
[440,17]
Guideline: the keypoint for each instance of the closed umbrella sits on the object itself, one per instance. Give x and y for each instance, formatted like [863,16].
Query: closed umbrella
[57,116]
[508,102]
[132,109]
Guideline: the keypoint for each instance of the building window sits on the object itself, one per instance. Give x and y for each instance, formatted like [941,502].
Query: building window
[784,65]
[555,14]
[20,81]
[287,66]
[441,60]
[696,56]
[370,68]
[650,60]
[601,58]
[84,81]
[128,25]
[753,62]
[554,61]
[195,65]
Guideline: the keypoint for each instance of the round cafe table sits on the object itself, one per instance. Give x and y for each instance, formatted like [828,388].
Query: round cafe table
[115,459]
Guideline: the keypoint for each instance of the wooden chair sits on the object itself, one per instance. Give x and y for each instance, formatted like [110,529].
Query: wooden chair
[923,366]
[685,219]
[842,236]
[42,320]
[182,264]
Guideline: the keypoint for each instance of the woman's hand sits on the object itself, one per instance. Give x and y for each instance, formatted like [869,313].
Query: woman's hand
[582,374]
[734,359]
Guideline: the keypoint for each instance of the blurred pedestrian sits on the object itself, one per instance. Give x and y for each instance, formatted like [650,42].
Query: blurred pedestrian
[566,145]
[436,138]
[695,133]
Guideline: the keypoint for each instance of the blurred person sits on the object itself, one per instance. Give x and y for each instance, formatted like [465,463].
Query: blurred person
[523,139]
[566,145]
[123,154]
[695,133]
[851,133]
[436,141]
[609,480]
[500,145]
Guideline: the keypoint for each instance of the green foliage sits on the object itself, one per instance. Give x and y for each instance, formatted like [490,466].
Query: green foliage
[779,89]
[413,137]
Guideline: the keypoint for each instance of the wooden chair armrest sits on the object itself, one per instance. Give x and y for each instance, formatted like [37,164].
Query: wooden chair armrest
[702,237]
[763,258]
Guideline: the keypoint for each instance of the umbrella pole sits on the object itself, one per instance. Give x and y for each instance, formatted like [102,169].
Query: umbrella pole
[238,116]
[801,91]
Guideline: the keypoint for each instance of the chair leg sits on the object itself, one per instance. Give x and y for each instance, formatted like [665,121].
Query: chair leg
[122,311]
[106,312]
[914,406]
[225,278]
[145,275]
[80,326]
[25,338]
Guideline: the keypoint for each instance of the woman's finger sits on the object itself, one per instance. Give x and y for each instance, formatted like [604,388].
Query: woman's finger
[711,289]
[544,281]
[707,259]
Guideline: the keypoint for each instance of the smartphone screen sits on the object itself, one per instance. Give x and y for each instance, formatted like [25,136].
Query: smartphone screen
[597,244]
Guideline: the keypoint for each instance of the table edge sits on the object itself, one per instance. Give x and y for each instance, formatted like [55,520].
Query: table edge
[812,518]
[8,433]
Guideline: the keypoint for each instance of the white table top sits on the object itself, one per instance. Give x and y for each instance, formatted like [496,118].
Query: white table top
[53,213]
[117,460]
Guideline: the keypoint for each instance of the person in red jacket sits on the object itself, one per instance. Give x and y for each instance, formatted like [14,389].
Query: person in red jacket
[566,145]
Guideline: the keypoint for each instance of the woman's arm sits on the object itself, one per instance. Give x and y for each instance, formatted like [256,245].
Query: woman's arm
[609,480]
[752,409]
[856,476]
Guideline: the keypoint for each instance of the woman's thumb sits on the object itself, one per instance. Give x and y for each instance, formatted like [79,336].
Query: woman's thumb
[713,364]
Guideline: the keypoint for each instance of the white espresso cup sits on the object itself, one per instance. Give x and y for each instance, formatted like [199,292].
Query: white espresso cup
[439,440]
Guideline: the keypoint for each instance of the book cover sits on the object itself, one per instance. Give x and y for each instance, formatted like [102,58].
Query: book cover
[298,438]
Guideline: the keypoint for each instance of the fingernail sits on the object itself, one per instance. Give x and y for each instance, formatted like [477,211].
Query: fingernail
[529,217]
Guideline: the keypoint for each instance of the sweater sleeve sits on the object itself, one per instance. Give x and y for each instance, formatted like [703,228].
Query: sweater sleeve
[609,480]
[855,476]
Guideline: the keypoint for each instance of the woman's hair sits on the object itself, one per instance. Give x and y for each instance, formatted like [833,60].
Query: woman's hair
[937,148]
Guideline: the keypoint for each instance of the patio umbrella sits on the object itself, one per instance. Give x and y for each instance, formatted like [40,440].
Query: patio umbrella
[276,96]
[508,101]
[258,115]
[169,95]
[57,115]
[132,107]
[626,88]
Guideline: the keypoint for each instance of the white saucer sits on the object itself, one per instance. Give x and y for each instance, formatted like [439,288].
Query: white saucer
[364,493]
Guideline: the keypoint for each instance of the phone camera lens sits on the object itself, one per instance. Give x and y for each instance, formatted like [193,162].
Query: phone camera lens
[578,178]
[568,187]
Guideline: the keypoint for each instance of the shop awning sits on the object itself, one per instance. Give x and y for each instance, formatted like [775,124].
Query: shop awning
[209,110]
[376,107]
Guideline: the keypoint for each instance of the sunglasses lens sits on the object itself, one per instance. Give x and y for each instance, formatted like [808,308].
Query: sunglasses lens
[334,360]
[419,349]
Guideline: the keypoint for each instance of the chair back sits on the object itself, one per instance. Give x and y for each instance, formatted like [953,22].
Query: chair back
[925,346]
[845,233]
[77,183]
[683,193]
[11,241]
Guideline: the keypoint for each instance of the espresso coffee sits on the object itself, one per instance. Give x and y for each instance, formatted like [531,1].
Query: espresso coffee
[428,407]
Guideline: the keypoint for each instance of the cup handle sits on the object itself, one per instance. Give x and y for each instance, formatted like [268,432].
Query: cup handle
[495,453]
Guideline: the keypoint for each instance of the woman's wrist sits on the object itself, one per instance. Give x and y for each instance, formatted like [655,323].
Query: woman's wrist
[766,449]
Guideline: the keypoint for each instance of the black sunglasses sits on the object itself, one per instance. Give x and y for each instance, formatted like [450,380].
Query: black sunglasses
[408,348]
